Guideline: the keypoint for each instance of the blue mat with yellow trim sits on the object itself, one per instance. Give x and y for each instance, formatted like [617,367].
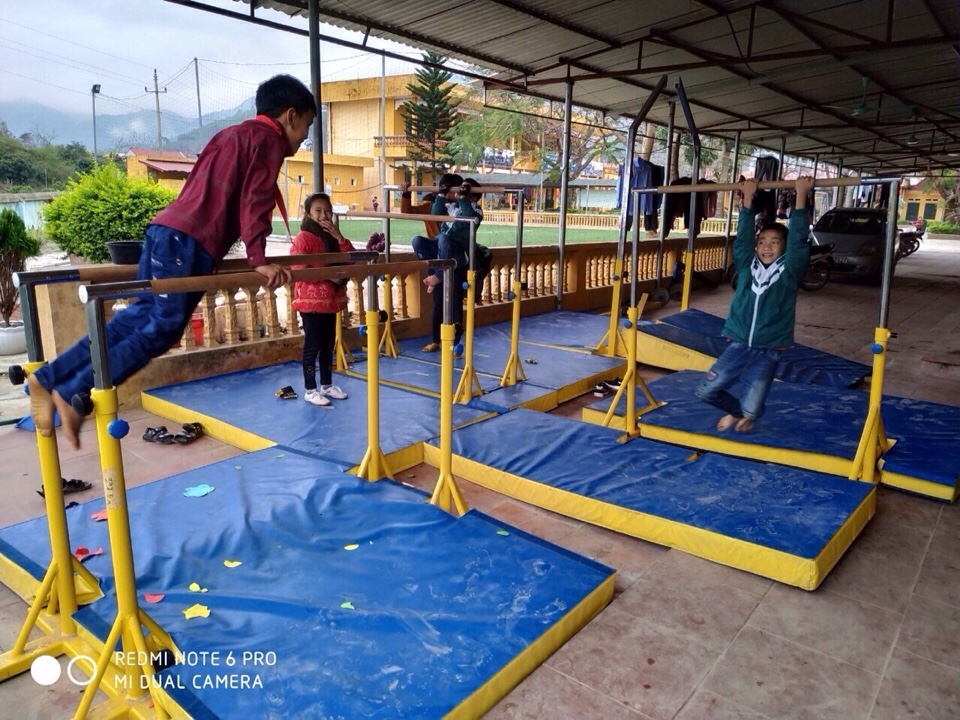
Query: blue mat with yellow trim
[669,495]
[823,422]
[418,373]
[337,433]
[370,602]
[701,331]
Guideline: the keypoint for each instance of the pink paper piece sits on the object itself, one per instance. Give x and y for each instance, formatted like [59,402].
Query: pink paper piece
[153,597]
[82,553]
[99,516]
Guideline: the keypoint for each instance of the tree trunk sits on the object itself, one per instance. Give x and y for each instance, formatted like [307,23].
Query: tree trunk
[646,149]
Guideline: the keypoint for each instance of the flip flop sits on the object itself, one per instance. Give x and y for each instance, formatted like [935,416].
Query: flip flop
[158,435]
[430,347]
[70,486]
[191,431]
[286,393]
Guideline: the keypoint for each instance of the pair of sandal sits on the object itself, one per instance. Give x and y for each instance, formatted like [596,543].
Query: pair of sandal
[190,432]
[70,486]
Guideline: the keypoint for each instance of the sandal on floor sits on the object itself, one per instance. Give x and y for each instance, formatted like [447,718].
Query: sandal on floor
[158,435]
[286,393]
[430,347]
[70,486]
[191,431]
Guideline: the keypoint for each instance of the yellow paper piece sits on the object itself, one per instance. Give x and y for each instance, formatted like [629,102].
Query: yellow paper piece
[351,546]
[195,611]
[232,563]
[347,605]
[195,587]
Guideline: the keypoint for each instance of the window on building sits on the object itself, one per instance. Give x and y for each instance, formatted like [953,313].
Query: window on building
[353,182]
[913,210]
[930,211]
[336,181]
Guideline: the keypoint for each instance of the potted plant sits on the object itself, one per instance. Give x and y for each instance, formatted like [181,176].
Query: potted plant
[16,245]
[103,214]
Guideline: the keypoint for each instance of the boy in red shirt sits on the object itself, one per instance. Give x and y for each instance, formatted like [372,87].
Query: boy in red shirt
[229,194]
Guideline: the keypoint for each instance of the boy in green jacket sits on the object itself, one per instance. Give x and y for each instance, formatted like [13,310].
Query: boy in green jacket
[763,312]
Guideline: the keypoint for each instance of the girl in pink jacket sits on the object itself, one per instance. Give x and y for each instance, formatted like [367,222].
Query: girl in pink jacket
[319,302]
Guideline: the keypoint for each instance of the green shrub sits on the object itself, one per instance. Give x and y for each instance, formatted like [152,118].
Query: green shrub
[16,245]
[942,227]
[102,206]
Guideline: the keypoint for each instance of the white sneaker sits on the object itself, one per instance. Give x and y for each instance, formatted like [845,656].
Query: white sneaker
[333,391]
[314,397]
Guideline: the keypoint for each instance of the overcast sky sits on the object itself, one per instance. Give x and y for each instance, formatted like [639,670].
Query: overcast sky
[53,51]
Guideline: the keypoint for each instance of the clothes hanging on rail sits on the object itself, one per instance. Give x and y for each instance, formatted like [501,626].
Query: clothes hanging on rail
[765,201]
[642,175]
[678,204]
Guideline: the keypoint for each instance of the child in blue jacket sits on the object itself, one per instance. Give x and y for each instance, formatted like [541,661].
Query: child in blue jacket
[763,311]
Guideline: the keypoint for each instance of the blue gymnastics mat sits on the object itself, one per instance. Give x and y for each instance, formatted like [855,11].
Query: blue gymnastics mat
[571,372]
[419,374]
[573,330]
[245,401]
[701,332]
[374,603]
[815,428]
[787,524]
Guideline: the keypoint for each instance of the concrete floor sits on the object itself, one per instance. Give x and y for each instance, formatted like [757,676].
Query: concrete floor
[685,638]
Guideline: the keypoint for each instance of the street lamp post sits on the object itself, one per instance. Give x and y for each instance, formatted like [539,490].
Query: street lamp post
[93,94]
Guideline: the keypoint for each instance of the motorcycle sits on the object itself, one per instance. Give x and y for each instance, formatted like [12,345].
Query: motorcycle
[818,269]
[909,242]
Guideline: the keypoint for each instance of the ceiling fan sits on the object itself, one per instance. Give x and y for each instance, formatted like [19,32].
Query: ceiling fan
[861,108]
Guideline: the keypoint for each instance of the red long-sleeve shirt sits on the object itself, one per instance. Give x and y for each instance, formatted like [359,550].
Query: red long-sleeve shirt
[231,191]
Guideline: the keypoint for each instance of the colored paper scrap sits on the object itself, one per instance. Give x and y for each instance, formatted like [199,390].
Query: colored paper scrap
[82,553]
[195,587]
[153,597]
[198,490]
[195,611]
[99,516]
[351,546]
[347,605]
[502,532]
[232,563]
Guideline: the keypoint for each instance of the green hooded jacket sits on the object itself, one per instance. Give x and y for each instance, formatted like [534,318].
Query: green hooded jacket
[764,307]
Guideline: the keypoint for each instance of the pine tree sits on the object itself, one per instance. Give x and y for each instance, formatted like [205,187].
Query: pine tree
[430,116]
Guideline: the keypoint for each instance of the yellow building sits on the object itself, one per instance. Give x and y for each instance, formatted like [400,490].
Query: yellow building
[917,202]
[168,168]
[343,176]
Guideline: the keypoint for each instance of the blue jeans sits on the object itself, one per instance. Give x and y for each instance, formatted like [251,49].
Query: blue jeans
[753,367]
[441,248]
[144,330]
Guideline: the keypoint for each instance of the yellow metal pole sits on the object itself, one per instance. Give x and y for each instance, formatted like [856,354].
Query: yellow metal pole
[52,481]
[513,372]
[374,464]
[388,343]
[687,278]
[612,336]
[871,431]
[469,386]
[341,351]
[630,419]
[447,494]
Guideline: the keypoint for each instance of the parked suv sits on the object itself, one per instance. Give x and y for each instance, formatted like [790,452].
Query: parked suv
[859,239]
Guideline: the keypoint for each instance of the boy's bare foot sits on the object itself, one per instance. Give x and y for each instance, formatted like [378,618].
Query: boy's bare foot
[726,422]
[70,421]
[431,281]
[41,406]
[744,424]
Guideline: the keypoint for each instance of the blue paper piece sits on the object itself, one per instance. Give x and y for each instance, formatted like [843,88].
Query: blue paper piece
[198,490]
[26,422]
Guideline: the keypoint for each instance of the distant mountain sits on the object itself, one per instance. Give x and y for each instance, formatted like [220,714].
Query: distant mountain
[118,132]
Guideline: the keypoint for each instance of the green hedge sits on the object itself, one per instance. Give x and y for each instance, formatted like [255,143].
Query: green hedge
[16,245]
[102,206]
[942,227]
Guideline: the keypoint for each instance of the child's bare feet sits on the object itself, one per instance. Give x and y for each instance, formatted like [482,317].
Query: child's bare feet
[41,407]
[431,281]
[744,424]
[70,421]
[726,422]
